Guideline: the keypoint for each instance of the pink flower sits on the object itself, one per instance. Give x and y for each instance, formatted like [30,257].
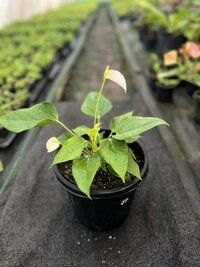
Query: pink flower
[173,2]
[197,67]
[182,51]
[176,2]
[190,49]
[193,49]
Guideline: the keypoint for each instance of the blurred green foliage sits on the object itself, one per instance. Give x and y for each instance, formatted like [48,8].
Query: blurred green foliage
[29,47]
[176,17]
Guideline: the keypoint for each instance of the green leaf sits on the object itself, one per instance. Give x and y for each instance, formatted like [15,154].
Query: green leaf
[91,132]
[115,153]
[116,120]
[64,137]
[1,166]
[89,105]
[134,126]
[132,140]
[81,130]
[71,149]
[25,119]
[133,167]
[84,171]
[177,21]
[154,13]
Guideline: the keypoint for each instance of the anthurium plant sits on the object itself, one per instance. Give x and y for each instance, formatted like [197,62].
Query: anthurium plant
[154,14]
[190,63]
[88,148]
[176,66]
[167,69]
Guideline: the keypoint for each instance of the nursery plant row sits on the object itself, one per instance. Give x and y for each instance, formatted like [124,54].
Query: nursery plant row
[171,37]
[34,50]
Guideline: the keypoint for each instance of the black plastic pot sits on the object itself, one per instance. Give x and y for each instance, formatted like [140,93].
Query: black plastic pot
[196,97]
[54,71]
[126,17]
[149,37]
[59,52]
[108,209]
[164,93]
[152,79]
[36,90]
[190,88]
[166,42]
[142,33]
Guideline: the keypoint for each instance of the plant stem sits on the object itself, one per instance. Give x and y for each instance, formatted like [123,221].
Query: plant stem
[66,128]
[110,135]
[98,99]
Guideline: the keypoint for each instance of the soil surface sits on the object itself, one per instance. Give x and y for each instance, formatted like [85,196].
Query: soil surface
[104,180]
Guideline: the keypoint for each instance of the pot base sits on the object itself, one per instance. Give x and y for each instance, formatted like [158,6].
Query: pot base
[164,94]
[102,215]
[107,209]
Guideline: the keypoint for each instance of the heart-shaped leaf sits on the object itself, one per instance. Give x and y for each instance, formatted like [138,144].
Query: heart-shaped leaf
[71,149]
[89,105]
[115,153]
[84,170]
[28,118]
[132,127]
[133,167]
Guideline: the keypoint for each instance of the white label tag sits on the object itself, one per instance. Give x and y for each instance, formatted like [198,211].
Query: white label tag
[124,201]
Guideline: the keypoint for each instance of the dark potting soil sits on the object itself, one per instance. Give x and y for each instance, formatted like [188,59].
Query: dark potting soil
[104,180]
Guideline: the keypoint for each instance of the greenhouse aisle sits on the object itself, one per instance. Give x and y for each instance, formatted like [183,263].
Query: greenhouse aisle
[38,227]
[101,49]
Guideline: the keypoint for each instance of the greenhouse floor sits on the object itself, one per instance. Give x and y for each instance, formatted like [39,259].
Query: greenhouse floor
[38,226]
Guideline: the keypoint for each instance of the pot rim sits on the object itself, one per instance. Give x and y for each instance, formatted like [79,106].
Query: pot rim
[165,87]
[189,83]
[99,194]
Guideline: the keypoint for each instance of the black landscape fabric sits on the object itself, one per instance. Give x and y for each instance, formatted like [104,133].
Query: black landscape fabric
[38,227]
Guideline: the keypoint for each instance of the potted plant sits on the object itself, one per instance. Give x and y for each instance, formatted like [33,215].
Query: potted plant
[190,67]
[148,35]
[101,169]
[165,86]
[147,30]
[196,97]
[124,9]
[155,67]
[169,25]
[166,77]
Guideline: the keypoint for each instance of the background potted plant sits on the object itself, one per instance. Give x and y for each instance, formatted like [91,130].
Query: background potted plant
[169,24]
[100,169]
[190,70]
[166,75]
[155,67]
[124,9]
[147,30]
